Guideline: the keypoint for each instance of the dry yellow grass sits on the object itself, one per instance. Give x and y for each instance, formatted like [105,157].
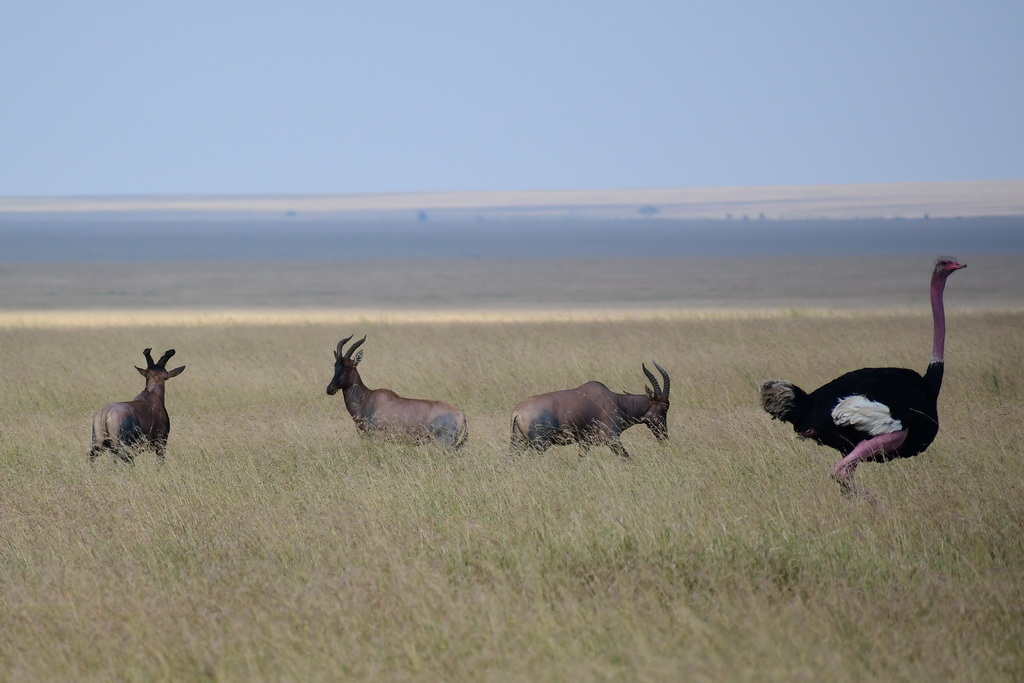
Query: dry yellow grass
[107,318]
[275,544]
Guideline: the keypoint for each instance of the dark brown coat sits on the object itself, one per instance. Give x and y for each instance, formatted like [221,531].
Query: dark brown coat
[383,413]
[591,414]
[119,427]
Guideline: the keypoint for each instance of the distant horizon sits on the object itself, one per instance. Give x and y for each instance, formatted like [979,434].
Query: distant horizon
[773,202]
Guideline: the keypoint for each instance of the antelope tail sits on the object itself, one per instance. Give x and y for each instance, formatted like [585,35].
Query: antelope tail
[462,435]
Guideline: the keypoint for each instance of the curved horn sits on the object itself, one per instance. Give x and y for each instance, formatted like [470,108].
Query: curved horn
[162,363]
[149,358]
[668,382]
[341,344]
[348,354]
[654,382]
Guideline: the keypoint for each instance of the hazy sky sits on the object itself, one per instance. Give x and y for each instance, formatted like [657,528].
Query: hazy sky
[120,97]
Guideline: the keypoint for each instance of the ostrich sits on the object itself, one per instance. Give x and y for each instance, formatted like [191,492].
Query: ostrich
[872,413]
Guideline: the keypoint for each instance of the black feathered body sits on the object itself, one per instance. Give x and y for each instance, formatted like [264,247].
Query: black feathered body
[910,398]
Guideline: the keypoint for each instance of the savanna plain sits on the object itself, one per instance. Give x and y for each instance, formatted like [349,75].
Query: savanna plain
[275,543]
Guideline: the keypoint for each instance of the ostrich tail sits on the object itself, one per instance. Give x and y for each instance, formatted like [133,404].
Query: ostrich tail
[779,398]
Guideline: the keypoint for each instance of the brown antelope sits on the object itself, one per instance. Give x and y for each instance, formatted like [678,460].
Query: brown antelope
[118,427]
[591,414]
[382,412]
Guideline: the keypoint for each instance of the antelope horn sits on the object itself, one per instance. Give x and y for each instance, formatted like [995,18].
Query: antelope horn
[348,354]
[654,382]
[149,358]
[162,363]
[668,382]
[341,344]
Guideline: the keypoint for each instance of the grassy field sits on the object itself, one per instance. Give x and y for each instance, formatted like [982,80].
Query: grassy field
[276,544]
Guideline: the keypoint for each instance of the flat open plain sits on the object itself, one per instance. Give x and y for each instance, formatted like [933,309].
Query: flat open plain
[277,544]
[153,265]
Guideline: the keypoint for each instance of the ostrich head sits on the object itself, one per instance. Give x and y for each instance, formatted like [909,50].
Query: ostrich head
[946,266]
[779,398]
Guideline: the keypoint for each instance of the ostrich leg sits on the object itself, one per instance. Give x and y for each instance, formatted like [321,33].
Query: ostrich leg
[842,471]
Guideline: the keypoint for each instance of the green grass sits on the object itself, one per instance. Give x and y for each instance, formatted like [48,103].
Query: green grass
[277,544]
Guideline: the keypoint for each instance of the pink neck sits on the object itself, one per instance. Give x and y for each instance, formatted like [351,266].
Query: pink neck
[938,318]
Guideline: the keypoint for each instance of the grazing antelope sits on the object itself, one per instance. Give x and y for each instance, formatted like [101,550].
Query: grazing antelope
[382,412]
[118,427]
[591,414]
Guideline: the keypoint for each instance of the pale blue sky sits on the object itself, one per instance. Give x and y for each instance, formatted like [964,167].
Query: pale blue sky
[307,96]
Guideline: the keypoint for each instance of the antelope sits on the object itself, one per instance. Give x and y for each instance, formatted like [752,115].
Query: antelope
[118,427]
[383,413]
[590,415]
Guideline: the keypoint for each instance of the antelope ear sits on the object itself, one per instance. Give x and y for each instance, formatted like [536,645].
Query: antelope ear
[141,371]
[650,393]
[359,357]
[175,372]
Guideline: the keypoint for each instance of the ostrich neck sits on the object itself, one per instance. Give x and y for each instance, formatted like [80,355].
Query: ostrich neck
[939,319]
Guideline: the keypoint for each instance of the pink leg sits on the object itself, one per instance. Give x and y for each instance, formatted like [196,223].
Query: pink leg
[842,472]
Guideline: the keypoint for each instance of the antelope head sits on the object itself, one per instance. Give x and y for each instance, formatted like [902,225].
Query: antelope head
[656,417]
[345,366]
[157,373]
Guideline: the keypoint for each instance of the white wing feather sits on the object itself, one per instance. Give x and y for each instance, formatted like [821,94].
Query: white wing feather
[868,416]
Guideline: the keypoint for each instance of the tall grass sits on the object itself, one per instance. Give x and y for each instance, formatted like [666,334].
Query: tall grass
[275,543]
